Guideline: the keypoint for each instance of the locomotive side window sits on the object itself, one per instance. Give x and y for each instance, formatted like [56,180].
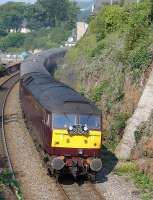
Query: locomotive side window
[63,121]
[92,121]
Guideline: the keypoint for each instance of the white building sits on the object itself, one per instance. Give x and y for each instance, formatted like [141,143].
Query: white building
[25,30]
[81,29]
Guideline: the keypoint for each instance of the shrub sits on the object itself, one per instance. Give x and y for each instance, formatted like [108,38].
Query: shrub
[139,57]
[119,123]
[12,40]
[138,23]
[97,92]
[110,19]
[6,178]
[145,129]
[3,32]
[2,69]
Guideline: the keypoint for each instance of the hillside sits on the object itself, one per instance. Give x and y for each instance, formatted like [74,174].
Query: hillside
[42,25]
[110,65]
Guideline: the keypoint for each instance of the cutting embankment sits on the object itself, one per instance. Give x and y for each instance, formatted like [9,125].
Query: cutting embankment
[111,65]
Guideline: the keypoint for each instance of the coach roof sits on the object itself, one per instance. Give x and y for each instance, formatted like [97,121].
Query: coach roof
[50,93]
[57,97]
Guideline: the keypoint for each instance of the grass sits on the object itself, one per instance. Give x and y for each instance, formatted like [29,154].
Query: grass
[142,182]
[6,179]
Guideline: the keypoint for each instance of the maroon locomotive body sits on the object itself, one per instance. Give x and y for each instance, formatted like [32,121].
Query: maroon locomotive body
[64,125]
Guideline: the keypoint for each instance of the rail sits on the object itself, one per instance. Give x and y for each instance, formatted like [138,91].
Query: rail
[6,152]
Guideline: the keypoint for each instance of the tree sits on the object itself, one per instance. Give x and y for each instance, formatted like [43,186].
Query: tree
[12,40]
[36,17]
[12,15]
[58,11]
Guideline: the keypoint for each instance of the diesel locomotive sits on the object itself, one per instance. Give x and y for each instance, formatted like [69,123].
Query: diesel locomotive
[65,125]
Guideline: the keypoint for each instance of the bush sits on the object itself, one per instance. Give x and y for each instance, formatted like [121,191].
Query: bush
[6,178]
[113,55]
[3,32]
[97,92]
[138,23]
[119,123]
[46,38]
[145,129]
[110,19]
[12,40]
[139,57]
[2,69]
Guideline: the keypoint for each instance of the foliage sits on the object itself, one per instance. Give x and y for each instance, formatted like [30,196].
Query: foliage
[138,22]
[143,183]
[83,48]
[97,92]
[117,126]
[119,123]
[12,15]
[51,22]
[12,40]
[145,129]
[46,13]
[56,10]
[139,57]
[2,69]
[43,39]
[113,56]
[51,13]
[132,21]
[2,32]
[125,168]
[109,19]
[6,178]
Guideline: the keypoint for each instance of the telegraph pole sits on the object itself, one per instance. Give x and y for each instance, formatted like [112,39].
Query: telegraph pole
[111,2]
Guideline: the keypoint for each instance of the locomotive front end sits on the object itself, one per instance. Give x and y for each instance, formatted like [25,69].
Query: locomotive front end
[77,140]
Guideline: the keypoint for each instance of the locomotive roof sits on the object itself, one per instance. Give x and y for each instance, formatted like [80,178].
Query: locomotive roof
[50,93]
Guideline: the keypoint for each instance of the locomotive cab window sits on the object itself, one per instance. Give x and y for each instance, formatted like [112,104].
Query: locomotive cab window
[91,121]
[63,121]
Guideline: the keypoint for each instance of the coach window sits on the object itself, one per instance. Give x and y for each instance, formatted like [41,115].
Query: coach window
[63,121]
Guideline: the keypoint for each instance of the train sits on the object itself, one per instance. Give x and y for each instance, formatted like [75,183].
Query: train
[65,126]
[9,69]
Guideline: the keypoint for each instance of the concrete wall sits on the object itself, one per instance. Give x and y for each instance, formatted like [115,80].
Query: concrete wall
[81,29]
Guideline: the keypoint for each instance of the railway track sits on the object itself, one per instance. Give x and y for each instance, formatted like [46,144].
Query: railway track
[5,89]
[74,191]
[67,191]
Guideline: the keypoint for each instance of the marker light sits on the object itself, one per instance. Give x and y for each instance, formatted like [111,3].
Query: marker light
[80,151]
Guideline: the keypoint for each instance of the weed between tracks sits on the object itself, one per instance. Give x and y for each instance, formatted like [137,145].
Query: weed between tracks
[6,180]
[143,183]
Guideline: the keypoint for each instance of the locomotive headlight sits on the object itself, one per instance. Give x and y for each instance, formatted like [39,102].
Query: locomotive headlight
[85,128]
[70,128]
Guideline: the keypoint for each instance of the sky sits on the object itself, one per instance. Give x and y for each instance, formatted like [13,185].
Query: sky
[27,1]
